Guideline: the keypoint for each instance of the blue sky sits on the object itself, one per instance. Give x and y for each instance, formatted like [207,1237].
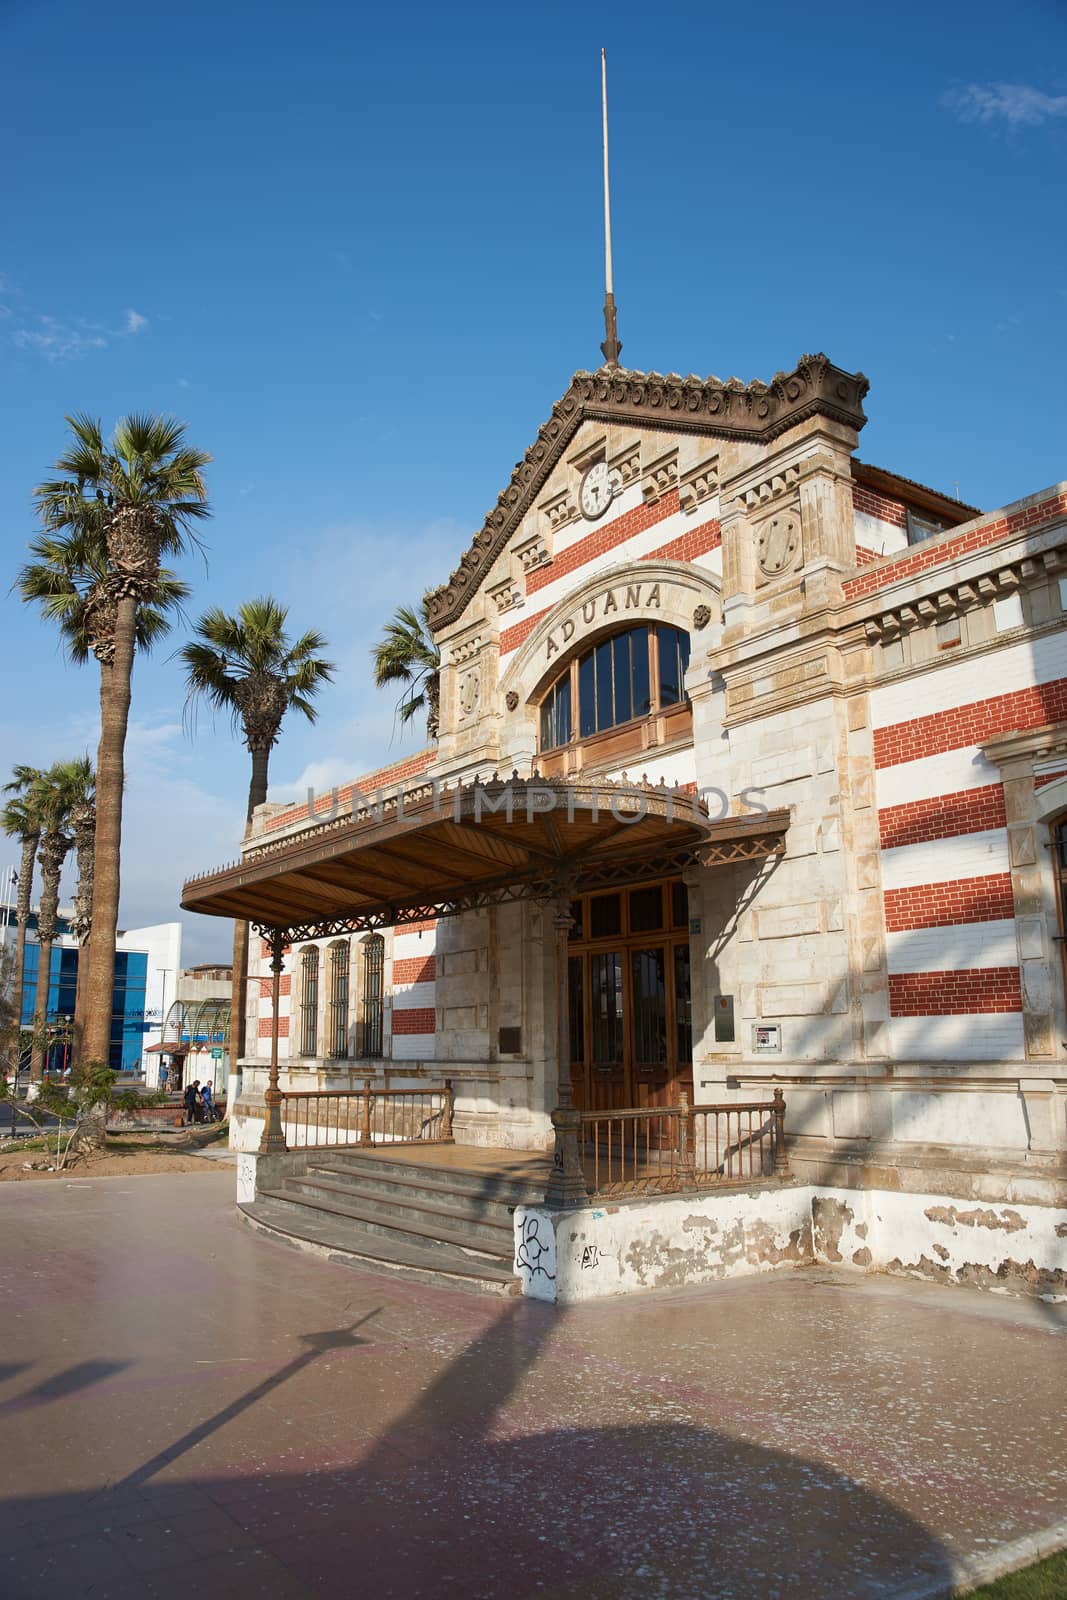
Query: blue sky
[358,250]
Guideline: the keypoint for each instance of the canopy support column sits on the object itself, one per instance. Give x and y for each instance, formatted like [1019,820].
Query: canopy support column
[566,1186]
[273,1139]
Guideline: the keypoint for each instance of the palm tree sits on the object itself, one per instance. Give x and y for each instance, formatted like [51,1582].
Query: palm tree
[83,831]
[69,579]
[406,653]
[122,505]
[19,820]
[247,666]
[54,797]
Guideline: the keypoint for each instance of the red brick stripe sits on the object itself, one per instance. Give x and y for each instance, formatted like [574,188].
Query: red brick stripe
[864,557]
[265,1027]
[608,536]
[955,994]
[419,927]
[936,552]
[949,904]
[266,986]
[945,816]
[688,546]
[1048,777]
[415,969]
[511,638]
[420,1019]
[971,724]
[876,505]
[399,772]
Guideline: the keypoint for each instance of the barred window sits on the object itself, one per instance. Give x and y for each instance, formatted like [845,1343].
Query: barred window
[338,1007]
[309,1001]
[373,947]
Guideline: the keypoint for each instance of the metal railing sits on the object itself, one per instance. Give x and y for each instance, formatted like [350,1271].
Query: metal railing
[314,1119]
[667,1149]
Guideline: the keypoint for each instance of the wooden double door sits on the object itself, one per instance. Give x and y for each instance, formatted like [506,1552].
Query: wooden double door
[630,1005]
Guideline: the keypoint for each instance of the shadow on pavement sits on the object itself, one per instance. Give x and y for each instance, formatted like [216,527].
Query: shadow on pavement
[468,1495]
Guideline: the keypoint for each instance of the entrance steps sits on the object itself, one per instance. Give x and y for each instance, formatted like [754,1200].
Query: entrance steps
[434,1223]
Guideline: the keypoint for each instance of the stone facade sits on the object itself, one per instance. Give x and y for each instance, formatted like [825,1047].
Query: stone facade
[887,664]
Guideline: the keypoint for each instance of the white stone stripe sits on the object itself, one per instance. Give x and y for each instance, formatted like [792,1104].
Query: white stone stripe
[412,996]
[953,949]
[631,549]
[874,534]
[999,672]
[947,773]
[679,768]
[969,855]
[414,1046]
[990,1036]
[406,946]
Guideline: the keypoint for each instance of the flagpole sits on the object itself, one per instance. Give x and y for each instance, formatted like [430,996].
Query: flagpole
[611,347]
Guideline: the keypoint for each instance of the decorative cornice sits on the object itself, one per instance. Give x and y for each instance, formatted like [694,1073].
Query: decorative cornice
[945,601]
[757,412]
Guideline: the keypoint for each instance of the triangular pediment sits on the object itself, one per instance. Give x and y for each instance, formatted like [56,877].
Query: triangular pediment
[755,412]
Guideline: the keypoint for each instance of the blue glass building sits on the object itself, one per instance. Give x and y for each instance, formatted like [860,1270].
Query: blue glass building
[127,1006]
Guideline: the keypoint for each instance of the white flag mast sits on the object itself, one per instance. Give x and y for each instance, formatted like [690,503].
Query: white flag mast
[611,346]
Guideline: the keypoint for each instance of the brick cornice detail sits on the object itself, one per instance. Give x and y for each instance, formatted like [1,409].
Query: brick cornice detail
[757,412]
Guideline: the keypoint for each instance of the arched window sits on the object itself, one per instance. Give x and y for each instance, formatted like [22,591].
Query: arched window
[373,947]
[309,1001]
[620,679]
[338,1008]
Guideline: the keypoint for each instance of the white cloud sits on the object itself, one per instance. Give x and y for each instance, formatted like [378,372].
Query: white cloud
[71,338]
[58,341]
[1019,105]
[321,776]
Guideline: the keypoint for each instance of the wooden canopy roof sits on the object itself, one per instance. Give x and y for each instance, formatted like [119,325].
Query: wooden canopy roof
[436,852]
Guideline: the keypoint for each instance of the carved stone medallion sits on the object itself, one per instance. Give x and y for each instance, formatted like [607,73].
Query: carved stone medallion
[511,700]
[779,541]
[469,692]
[701,617]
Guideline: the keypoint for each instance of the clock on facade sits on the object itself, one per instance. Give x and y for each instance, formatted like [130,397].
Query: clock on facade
[599,487]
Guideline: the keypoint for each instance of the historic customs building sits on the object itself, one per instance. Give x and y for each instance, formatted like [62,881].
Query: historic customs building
[751,776]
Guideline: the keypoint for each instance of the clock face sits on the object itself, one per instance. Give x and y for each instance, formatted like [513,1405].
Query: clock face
[599,487]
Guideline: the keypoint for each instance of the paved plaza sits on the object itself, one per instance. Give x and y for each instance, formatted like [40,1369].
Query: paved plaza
[191,1409]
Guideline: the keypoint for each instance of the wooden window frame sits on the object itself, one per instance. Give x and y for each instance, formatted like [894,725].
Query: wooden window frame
[339,1000]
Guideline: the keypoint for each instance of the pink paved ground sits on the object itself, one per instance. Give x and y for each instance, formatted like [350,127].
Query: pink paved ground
[189,1409]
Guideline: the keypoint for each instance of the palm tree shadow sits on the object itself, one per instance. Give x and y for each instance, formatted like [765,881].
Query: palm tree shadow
[478,1491]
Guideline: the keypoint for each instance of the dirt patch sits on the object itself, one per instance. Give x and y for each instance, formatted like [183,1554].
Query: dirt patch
[980,1217]
[127,1155]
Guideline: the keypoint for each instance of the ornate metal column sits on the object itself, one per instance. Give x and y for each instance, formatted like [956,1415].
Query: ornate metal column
[566,1186]
[273,1139]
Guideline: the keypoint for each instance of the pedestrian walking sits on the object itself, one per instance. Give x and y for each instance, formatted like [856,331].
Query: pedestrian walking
[210,1109]
[194,1107]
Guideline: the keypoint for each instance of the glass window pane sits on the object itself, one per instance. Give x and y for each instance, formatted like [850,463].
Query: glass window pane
[679,905]
[669,682]
[646,909]
[563,710]
[604,717]
[647,969]
[642,689]
[587,695]
[623,696]
[683,1007]
[605,988]
[546,722]
[605,916]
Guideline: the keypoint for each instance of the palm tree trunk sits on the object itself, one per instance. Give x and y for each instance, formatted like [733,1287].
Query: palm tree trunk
[257,794]
[85,843]
[115,688]
[51,868]
[22,917]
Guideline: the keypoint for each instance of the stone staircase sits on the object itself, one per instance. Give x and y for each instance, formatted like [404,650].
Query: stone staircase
[436,1224]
